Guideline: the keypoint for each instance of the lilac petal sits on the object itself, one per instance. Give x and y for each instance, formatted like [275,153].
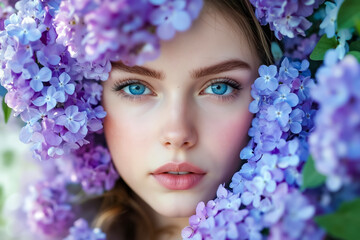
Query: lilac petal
[36,85]
[59,96]
[73,126]
[50,104]
[54,60]
[25,134]
[39,101]
[64,77]
[61,120]
[157,2]
[44,74]
[295,127]
[52,139]
[71,110]
[181,21]
[165,31]
[292,99]
[187,232]
[70,89]
[246,198]
[34,35]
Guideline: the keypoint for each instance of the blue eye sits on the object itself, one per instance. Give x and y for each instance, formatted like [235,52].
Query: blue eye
[219,89]
[136,89]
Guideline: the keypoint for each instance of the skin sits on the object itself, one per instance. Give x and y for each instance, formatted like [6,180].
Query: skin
[180,118]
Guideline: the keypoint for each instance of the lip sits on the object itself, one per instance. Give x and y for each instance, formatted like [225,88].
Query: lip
[182,181]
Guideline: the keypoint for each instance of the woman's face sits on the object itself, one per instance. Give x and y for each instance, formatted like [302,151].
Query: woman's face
[175,126]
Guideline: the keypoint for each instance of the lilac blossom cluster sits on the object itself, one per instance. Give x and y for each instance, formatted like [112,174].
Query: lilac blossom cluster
[81,231]
[336,140]
[129,31]
[6,9]
[265,192]
[48,208]
[91,167]
[286,18]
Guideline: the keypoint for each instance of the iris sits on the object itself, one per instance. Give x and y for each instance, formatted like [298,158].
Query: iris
[219,88]
[137,89]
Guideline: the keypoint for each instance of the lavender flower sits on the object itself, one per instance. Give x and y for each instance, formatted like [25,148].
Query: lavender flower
[81,231]
[286,18]
[337,121]
[26,32]
[48,211]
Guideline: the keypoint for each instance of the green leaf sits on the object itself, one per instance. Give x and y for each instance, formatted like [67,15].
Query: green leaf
[356,54]
[322,46]
[6,110]
[8,158]
[354,46]
[349,14]
[311,178]
[344,223]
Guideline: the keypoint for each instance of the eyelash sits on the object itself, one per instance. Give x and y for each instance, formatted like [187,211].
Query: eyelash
[121,84]
[232,83]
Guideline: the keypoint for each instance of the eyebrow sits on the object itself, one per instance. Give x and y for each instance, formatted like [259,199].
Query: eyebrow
[224,66]
[139,70]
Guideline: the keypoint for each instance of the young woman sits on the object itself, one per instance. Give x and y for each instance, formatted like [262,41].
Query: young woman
[175,126]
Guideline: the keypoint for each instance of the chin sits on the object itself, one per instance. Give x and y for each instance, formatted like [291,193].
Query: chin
[178,205]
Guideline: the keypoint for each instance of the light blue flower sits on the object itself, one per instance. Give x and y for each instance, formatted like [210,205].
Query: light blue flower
[49,97]
[329,22]
[73,119]
[279,112]
[39,76]
[62,84]
[26,32]
[267,78]
[283,94]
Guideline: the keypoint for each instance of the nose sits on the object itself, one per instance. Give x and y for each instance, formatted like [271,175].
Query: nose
[178,128]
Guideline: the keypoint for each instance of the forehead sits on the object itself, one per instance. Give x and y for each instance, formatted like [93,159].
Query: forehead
[211,39]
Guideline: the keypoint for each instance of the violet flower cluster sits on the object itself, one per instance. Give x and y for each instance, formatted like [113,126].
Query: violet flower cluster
[286,18]
[265,192]
[129,31]
[336,140]
[48,208]
[81,231]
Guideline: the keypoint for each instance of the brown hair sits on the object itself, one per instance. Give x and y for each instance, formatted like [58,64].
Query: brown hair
[121,216]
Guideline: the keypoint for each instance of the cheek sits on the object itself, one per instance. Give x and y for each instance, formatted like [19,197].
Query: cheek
[226,139]
[126,139]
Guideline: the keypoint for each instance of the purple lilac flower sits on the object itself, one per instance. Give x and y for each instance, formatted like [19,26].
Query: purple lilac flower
[82,231]
[26,32]
[267,78]
[286,18]
[5,10]
[38,76]
[329,22]
[300,47]
[91,39]
[47,208]
[72,119]
[62,84]
[333,142]
[49,97]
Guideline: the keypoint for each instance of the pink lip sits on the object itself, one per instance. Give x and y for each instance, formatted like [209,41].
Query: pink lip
[178,182]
